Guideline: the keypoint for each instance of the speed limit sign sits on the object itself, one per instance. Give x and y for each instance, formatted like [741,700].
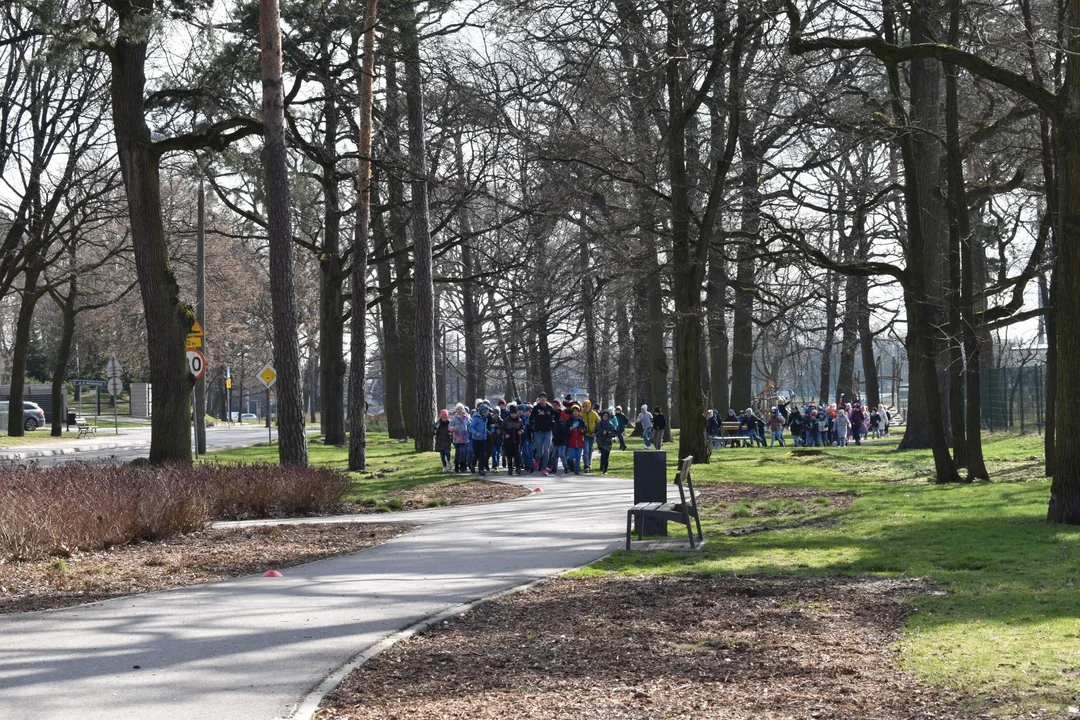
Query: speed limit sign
[196,363]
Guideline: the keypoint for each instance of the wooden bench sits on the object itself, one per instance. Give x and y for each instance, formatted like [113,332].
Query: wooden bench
[733,435]
[86,429]
[680,512]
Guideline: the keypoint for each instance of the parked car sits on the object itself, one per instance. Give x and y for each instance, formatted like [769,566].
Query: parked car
[33,415]
[248,416]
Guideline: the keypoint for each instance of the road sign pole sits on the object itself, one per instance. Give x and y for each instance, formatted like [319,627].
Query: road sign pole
[200,313]
[269,432]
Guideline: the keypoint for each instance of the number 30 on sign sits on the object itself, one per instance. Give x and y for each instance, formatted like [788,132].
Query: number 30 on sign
[196,363]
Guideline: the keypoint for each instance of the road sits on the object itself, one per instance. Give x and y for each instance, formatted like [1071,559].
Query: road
[253,648]
[129,444]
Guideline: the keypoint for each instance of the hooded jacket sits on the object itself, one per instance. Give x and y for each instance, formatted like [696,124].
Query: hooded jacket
[478,427]
[459,428]
[591,418]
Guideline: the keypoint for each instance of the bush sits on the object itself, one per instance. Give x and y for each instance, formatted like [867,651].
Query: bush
[59,510]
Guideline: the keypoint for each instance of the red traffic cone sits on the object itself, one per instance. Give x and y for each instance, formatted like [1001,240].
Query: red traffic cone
[536,490]
[272,573]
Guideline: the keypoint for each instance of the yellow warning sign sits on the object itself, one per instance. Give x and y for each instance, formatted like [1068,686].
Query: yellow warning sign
[194,342]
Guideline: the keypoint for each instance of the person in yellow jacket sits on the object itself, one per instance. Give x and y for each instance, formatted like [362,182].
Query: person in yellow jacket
[592,419]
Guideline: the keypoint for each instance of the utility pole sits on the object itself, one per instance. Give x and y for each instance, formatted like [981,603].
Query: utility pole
[200,314]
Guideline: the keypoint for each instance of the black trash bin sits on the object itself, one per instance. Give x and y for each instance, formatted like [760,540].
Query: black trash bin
[71,419]
[650,485]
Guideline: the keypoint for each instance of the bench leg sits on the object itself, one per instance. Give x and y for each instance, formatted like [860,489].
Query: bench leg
[629,519]
[690,533]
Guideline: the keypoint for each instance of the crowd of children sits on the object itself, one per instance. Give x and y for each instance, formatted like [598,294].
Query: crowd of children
[528,438]
[816,426]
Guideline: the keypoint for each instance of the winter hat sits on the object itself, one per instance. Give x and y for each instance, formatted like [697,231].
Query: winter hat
[644,408]
[575,407]
[485,410]
[459,408]
[586,404]
[513,409]
[606,413]
[618,408]
[444,414]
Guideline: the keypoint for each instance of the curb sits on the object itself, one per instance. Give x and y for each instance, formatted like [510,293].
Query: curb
[310,704]
[31,454]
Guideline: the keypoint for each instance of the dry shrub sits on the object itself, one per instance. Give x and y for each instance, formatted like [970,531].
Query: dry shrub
[58,510]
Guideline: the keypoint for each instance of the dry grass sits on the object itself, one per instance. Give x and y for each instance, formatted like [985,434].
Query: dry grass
[61,510]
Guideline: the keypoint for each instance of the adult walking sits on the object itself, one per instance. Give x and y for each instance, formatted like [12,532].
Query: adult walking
[478,433]
[591,420]
[542,421]
[645,418]
[659,426]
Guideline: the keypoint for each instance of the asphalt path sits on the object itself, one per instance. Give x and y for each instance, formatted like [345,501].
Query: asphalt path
[253,648]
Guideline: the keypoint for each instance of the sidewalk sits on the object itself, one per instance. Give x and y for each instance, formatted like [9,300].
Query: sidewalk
[253,648]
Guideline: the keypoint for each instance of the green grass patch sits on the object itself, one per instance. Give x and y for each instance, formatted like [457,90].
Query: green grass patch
[1003,619]
[392,467]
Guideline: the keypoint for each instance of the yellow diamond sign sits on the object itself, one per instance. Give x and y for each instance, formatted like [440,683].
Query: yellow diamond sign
[268,375]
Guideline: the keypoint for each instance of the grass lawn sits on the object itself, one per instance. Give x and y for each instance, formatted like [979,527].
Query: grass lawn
[392,466]
[37,437]
[1003,617]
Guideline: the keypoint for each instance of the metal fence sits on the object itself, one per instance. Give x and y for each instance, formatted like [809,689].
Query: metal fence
[1014,398]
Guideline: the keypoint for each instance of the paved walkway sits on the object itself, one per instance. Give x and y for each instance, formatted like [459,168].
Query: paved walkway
[253,648]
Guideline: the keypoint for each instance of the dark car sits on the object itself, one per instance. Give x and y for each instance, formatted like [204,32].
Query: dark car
[33,415]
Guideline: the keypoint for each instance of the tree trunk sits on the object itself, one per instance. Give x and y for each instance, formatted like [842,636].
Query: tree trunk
[390,345]
[331,296]
[922,170]
[718,336]
[406,309]
[658,359]
[688,268]
[543,356]
[588,313]
[63,354]
[424,291]
[968,421]
[866,338]
[30,295]
[292,442]
[358,326]
[624,359]
[742,345]
[167,319]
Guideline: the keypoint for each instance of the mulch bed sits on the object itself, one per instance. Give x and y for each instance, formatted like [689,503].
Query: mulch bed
[186,560]
[657,647]
[467,492]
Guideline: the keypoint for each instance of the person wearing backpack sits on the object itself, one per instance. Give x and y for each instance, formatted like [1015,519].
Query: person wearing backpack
[513,435]
[478,434]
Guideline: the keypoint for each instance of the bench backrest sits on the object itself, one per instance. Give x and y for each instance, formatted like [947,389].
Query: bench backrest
[684,482]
